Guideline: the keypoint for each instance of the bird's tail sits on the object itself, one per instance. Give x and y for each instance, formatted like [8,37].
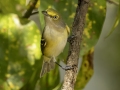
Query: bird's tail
[47,66]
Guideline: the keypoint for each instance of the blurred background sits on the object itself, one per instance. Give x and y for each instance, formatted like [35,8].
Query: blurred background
[107,56]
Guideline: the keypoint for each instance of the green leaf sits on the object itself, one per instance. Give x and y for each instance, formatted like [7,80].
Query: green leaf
[4,86]
[19,51]
[14,6]
[86,71]
[94,23]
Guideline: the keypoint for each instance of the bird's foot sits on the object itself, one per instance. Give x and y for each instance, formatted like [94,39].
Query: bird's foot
[68,68]
[70,38]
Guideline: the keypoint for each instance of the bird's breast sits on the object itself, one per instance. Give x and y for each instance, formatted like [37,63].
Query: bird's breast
[55,41]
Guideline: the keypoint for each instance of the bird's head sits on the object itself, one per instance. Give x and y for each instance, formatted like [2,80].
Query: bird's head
[53,17]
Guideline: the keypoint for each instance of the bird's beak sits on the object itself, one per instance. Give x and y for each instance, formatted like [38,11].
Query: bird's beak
[45,13]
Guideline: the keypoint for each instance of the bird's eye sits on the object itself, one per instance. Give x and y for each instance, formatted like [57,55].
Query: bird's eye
[55,17]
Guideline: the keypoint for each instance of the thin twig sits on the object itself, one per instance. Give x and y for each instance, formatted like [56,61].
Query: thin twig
[113,2]
[74,50]
[36,12]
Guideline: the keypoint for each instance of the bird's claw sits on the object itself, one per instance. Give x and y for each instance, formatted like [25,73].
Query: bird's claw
[68,68]
[70,38]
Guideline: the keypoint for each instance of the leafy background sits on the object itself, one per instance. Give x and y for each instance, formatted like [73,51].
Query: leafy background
[20,52]
[107,55]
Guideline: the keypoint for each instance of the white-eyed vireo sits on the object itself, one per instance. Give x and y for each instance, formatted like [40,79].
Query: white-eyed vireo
[54,39]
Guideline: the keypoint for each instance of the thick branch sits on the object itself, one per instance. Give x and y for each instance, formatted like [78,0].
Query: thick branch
[31,7]
[73,57]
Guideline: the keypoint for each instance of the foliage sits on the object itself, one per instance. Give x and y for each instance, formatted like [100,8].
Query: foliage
[20,52]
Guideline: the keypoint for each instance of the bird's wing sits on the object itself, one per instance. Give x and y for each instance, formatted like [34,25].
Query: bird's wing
[43,42]
[68,30]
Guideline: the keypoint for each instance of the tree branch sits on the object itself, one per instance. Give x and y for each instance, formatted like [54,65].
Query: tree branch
[74,50]
[31,7]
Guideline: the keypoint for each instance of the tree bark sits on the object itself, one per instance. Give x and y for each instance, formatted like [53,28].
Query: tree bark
[74,50]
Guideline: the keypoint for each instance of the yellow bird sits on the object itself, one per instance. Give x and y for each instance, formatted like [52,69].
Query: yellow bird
[54,39]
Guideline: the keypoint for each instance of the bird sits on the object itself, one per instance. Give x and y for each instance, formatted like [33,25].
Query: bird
[54,39]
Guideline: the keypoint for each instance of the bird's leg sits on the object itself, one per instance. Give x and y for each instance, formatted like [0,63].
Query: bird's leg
[64,68]
[60,65]
[57,62]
